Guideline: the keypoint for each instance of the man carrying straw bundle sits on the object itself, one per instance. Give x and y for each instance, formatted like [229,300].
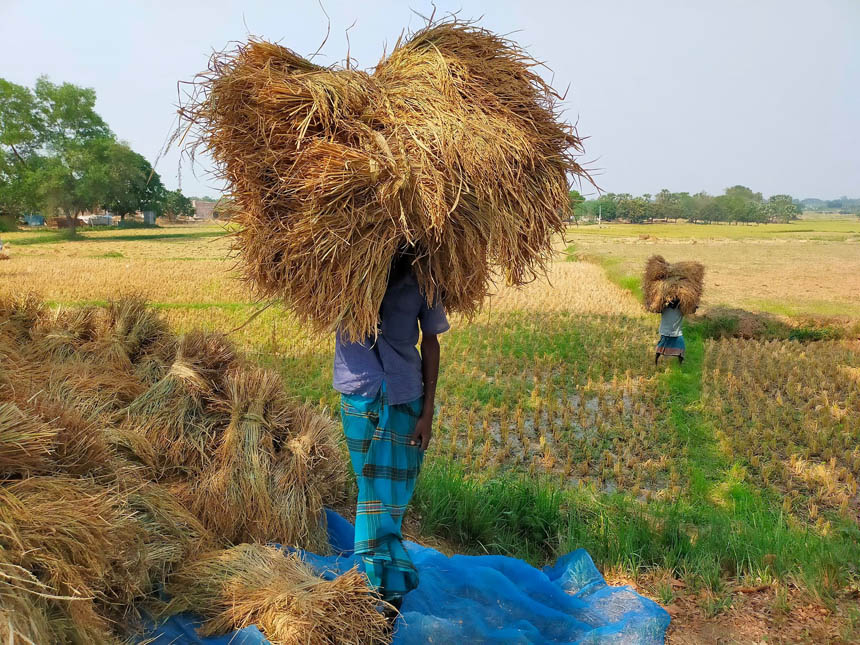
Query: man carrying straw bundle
[673,291]
[387,392]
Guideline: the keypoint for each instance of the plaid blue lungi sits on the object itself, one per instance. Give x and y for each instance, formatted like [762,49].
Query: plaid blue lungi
[386,467]
[671,346]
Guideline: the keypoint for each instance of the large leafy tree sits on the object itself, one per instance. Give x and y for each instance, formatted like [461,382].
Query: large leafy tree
[132,185]
[58,155]
[781,208]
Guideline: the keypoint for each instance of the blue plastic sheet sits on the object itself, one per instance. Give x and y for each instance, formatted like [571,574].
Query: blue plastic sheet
[482,599]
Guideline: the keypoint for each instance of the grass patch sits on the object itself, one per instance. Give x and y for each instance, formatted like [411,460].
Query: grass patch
[537,521]
[109,254]
[823,229]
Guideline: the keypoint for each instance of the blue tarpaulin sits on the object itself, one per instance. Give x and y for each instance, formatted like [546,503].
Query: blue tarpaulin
[481,599]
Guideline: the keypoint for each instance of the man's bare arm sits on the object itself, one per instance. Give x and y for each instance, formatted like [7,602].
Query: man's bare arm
[430,371]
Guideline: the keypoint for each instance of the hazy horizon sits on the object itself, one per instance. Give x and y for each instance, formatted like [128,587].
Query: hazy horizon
[668,95]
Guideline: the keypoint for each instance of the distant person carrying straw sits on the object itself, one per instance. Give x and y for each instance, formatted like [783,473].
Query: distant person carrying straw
[388,391]
[671,332]
[673,291]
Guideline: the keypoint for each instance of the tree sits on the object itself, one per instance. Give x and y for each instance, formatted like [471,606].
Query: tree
[19,138]
[58,154]
[781,208]
[133,185]
[744,193]
[634,209]
[576,199]
[176,204]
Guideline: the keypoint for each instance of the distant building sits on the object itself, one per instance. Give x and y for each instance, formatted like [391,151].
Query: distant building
[203,210]
[34,220]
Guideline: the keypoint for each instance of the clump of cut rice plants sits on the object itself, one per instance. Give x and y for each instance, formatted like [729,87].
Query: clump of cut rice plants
[253,584]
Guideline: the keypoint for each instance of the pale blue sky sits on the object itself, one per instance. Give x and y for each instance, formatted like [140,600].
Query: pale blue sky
[681,94]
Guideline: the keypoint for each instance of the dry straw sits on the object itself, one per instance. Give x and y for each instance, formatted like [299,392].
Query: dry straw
[174,414]
[111,476]
[452,149]
[663,282]
[25,442]
[275,466]
[252,584]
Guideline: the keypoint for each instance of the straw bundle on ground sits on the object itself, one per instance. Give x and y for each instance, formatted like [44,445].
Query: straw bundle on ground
[171,533]
[18,316]
[175,413]
[25,442]
[79,542]
[109,482]
[80,446]
[60,335]
[260,585]
[130,329]
[664,282]
[310,475]
[23,608]
[273,467]
[452,148]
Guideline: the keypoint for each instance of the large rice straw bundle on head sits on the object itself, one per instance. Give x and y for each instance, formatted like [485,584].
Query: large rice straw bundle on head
[260,585]
[664,282]
[274,467]
[452,149]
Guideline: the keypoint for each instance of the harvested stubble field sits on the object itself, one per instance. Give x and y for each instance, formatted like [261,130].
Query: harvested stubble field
[727,489]
[805,267]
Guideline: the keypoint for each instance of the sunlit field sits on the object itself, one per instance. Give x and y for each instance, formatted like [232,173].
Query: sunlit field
[805,267]
[554,429]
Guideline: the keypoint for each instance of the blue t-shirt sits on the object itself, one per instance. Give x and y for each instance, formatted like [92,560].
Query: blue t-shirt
[360,367]
[671,320]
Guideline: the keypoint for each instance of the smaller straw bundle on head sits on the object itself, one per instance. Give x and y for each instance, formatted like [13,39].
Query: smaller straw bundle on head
[663,282]
[252,584]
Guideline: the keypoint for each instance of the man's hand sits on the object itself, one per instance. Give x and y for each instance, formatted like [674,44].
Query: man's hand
[423,430]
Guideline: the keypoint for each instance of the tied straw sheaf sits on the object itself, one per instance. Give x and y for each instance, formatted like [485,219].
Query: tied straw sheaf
[664,282]
[132,460]
[452,150]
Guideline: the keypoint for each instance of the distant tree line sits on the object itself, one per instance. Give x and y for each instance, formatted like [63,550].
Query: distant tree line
[59,157]
[738,204]
[843,205]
